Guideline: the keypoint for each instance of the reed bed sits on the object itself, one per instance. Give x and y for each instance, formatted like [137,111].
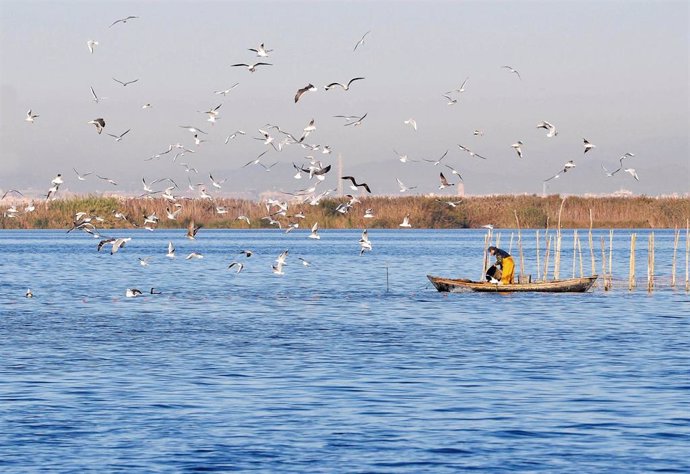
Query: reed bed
[424,212]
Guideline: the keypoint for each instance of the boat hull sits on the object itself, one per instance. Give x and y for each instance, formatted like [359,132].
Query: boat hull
[458,285]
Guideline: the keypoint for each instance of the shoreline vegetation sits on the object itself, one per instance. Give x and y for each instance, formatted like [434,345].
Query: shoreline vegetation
[534,212]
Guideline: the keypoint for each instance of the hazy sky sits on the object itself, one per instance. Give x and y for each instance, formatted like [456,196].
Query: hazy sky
[615,73]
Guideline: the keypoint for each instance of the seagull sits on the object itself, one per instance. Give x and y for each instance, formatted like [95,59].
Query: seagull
[81,177]
[361,41]
[116,244]
[488,226]
[411,122]
[450,203]
[171,250]
[226,91]
[261,51]
[28,293]
[569,165]
[132,293]
[512,70]
[119,137]
[57,180]
[30,116]
[125,83]
[355,184]
[280,261]
[304,262]
[255,161]
[192,230]
[344,86]
[193,129]
[369,214]
[462,87]
[549,127]
[403,158]
[239,266]
[402,186]
[406,221]
[233,135]
[471,153]
[588,145]
[251,67]
[144,262]
[11,191]
[517,146]
[247,253]
[451,100]
[300,92]
[123,20]
[194,255]
[90,44]
[364,243]
[357,122]
[245,219]
[632,173]
[99,123]
[216,184]
[437,162]
[146,106]
[96,99]
[620,167]
[314,232]
[478,132]
[444,182]
[107,179]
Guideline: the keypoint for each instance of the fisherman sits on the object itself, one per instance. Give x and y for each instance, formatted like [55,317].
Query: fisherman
[505,263]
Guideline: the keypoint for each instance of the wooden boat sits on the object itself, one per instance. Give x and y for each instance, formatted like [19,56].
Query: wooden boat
[571,285]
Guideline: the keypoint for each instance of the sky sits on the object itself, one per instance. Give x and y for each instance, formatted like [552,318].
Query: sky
[615,73]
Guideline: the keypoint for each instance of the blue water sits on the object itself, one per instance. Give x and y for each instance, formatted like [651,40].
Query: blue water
[326,369]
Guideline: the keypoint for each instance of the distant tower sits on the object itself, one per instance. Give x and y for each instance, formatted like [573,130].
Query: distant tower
[461,189]
[340,174]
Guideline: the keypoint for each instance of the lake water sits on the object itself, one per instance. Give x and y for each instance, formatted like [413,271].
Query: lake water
[328,368]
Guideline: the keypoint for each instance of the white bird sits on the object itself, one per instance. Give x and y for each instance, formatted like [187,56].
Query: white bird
[99,123]
[488,226]
[454,171]
[226,91]
[30,116]
[123,20]
[111,181]
[193,129]
[588,146]
[304,261]
[307,88]
[28,293]
[57,180]
[437,162]
[361,41]
[144,262]
[119,137]
[403,158]
[314,231]
[406,221]
[194,255]
[116,244]
[96,99]
[364,243]
[462,87]
[132,293]
[451,100]
[402,186]
[412,122]
[251,67]
[171,250]
[471,153]
[243,218]
[280,261]
[239,266]
[444,182]
[216,184]
[369,213]
[90,44]
[125,83]
[352,121]
[512,70]
[261,51]
[192,230]
[632,172]
[478,132]
[517,146]
[344,86]
[551,130]
[233,135]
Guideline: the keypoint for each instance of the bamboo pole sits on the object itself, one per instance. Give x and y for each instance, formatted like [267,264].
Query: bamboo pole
[631,272]
[538,267]
[687,255]
[650,262]
[611,257]
[676,238]
[487,240]
[574,250]
[603,264]
[579,251]
[510,244]
[591,242]
[546,259]
[522,258]
[557,256]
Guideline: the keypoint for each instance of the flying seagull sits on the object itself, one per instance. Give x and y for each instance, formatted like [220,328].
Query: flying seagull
[261,51]
[364,243]
[588,146]
[81,177]
[123,20]
[355,184]
[344,86]
[251,67]
[99,123]
[437,162]
[551,130]
[444,182]
[512,70]
[361,41]
[355,122]
[30,116]
[300,92]
[471,153]
[405,222]
[90,44]
[124,83]
[227,91]
[517,146]
[402,186]
[192,230]
[632,172]
[412,123]
[119,137]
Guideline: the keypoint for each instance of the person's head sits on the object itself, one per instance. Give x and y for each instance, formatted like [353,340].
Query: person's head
[492,250]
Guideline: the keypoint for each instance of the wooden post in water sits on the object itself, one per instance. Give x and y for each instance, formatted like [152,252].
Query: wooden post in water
[591,242]
[687,255]
[546,259]
[510,245]
[610,257]
[676,238]
[487,240]
[538,267]
[579,251]
[522,259]
[574,250]
[631,267]
[557,256]
[650,262]
[603,264]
